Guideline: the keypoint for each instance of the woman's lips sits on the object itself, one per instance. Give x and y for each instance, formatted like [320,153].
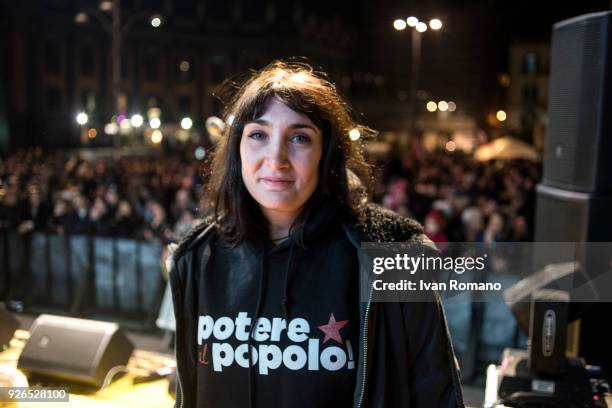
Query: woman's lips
[276,182]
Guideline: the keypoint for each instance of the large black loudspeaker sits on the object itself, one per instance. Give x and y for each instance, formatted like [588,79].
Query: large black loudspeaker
[76,350]
[574,201]
[575,196]
[571,216]
[579,137]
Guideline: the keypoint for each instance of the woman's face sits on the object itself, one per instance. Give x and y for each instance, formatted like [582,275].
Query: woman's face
[280,154]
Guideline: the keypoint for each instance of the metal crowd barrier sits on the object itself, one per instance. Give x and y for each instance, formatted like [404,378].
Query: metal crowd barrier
[82,275]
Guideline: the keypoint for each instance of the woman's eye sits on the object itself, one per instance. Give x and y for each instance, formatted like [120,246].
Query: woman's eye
[300,139]
[256,135]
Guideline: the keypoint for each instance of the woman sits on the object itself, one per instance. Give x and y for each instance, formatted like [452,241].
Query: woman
[272,278]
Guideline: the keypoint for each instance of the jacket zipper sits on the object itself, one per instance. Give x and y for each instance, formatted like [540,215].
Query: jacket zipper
[365,349]
[365,320]
[179,395]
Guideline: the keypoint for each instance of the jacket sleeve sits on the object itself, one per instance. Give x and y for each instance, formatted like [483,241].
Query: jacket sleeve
[434,370]
[185,393]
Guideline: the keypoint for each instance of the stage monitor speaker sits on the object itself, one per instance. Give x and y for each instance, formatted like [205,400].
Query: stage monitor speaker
[8,325]
[76,350]
[579,133]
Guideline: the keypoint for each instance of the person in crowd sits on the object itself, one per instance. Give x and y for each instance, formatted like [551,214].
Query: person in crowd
[473,224]
[79,215]
[100,221]
[495,229]
[275,269]
[435,228]
[157,228]
[35,211]
[126,224]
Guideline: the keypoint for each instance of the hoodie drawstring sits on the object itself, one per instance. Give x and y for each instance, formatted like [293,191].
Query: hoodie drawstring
[258,306]
[285,302]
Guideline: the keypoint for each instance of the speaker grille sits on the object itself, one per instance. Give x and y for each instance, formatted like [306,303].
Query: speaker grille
[559,217]
[577,102]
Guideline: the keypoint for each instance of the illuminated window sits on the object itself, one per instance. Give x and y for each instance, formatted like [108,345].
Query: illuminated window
[531,63]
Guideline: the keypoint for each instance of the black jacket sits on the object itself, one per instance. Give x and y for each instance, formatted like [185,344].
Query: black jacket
[405,354]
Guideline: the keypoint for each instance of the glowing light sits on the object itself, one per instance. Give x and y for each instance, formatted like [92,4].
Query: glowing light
[157,136]
[452,106]
[432,106]
[125,124]
[136,120]
[412,21]
[443,106]
[156,21]
[111,128]
[399,24]
[92,133]
[435,24]
[354,134]
[186,123]
[182,135]
[153,113]
[230,119]
[184,66]
[421,27]
[81,18]
[501,115]
[155,123]
[82,118]
[200,153]
[106,5]
[504,80]
[451,146]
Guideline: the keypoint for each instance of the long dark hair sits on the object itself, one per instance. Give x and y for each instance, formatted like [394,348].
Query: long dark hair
[304,90]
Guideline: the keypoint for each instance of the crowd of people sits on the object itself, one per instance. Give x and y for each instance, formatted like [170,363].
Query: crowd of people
[456,198]
[459,199]
[138,197]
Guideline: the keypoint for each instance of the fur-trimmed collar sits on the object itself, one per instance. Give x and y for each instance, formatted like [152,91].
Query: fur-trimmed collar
[378,225]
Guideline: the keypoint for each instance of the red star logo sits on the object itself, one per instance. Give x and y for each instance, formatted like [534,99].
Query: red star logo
[332,329]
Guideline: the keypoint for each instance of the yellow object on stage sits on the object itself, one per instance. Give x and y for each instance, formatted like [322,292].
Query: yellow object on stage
[121,393]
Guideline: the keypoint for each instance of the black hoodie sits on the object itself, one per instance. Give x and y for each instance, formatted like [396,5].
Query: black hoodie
[303,296]
[403,355]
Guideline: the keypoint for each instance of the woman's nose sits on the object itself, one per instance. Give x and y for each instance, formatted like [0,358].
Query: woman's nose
[276,154]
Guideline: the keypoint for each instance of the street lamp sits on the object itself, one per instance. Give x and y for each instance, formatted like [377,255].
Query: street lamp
[421,27]
[412,21]
[418,28]
[136,120]
[117,29]
[435,24]
[154,123]
[156,20]
[186,123]
[399,24]
[442,106]
[82,118]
